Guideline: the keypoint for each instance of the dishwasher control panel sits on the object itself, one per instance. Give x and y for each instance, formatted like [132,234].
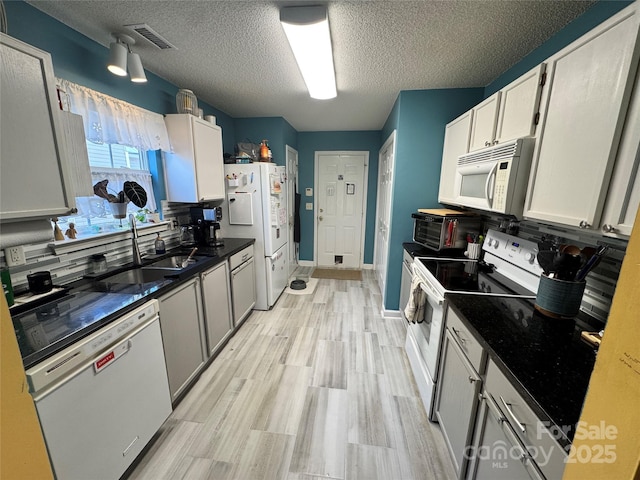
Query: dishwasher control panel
[90,348]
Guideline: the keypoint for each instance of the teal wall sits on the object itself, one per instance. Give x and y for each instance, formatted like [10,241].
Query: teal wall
[308,144]
[276,130]
[420,117]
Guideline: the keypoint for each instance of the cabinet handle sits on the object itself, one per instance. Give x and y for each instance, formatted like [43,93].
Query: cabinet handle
[471,379]
[457,332]
[584,224]
[606,228]
[512,415]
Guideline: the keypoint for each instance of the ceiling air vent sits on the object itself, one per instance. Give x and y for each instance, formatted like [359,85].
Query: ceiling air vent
[150,34]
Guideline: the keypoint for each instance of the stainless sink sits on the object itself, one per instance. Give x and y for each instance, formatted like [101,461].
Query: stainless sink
[140,275]
[172,263]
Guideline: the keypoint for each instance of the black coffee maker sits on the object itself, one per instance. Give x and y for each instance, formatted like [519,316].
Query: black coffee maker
[206,223]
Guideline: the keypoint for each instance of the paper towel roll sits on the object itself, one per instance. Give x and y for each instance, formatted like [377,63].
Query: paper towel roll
[26,233]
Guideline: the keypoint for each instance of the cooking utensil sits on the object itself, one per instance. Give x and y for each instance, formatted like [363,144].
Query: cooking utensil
[591,263]
[566,266]
[545,259]
[186,261]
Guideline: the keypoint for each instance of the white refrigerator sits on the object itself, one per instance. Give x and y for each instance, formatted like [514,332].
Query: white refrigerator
[256,207]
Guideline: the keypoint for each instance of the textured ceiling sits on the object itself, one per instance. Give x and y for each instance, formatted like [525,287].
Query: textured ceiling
[234,54]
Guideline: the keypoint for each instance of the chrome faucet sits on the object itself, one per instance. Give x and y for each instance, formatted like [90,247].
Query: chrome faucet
[137,259]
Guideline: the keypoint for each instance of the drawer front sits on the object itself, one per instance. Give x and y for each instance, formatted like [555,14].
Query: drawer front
[547,452]
[242,256]
[467,342]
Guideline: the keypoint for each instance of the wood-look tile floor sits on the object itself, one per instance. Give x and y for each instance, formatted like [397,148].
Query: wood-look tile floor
[318,387]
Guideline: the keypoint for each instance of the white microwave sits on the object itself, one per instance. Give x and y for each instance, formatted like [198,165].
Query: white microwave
[495,179]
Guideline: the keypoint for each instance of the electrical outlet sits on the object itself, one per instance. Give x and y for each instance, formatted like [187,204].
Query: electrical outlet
[15,256]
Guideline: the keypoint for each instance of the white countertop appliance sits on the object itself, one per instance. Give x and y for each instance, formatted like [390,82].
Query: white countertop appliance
[509,270]
[257,208]
[103,398]
[495,178]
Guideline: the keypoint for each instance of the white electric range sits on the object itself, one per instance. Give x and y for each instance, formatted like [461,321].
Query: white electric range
[509,270]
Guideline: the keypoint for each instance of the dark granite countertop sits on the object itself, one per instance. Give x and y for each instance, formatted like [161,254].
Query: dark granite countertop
[91,303]
[545,359]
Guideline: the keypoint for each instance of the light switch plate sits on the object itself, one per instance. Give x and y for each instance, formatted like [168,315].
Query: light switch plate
[308,192]
[309,206]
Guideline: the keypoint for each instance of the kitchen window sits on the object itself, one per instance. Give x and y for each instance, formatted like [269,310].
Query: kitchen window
[119,138]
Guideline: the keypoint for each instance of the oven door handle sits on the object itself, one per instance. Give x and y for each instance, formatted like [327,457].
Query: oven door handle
[430,294]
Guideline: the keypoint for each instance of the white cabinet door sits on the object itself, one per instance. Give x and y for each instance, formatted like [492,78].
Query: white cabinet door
[34,174]
[623,197]
[456,143]
[456,401]
[182,335]
[216,297]
[243,287]
[519,104]
[590,85]
[483,125]
[194,171]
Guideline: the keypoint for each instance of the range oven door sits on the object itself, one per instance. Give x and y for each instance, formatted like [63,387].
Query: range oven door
[423,347]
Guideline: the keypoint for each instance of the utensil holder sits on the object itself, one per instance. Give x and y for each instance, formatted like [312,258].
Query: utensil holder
[559,298]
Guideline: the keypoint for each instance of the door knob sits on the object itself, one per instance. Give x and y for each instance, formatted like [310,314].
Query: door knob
[320,218]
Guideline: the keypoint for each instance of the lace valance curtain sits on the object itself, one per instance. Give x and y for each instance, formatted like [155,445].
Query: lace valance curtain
[109,120]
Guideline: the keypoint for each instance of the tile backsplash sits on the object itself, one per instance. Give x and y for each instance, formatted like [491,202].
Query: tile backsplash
[601,282]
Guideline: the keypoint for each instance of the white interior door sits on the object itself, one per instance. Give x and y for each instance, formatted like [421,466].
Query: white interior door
[340,208]
[292,184]
[383,210]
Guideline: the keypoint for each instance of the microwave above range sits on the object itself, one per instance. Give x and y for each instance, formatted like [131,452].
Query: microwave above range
[442,229]
[495,179]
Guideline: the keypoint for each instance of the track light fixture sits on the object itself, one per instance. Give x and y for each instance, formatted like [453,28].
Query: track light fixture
[121,56]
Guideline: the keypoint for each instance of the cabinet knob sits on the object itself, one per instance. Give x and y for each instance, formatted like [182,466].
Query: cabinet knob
[584,224]
[320,218]
[487,144]
[606,228]
[471,379]
[495,142]
[73,211]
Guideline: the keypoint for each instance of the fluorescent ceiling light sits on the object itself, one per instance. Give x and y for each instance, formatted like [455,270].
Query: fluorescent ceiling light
[307,29]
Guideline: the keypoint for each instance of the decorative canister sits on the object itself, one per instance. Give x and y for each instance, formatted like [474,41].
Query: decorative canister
[559,298]
[186,102]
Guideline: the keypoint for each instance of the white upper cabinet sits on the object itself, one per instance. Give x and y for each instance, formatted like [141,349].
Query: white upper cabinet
[519,104]
[623,198]
[485,118]
[590,84]
[34,172]
[194,172]
[456,143]
[510,113]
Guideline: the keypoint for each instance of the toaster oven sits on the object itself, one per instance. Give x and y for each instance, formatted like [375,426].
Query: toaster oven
[441,229]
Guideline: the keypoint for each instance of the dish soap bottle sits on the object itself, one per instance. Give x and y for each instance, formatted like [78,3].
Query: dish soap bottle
[160,247]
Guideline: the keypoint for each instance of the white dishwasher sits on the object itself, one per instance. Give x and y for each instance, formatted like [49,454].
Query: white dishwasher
[243,284]
[103,398]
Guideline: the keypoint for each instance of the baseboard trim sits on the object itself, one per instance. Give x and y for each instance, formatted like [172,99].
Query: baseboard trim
[391,313]
[367,266]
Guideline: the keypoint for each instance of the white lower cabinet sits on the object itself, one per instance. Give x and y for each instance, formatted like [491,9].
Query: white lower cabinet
[216,298]
[182,335]
[458,389]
